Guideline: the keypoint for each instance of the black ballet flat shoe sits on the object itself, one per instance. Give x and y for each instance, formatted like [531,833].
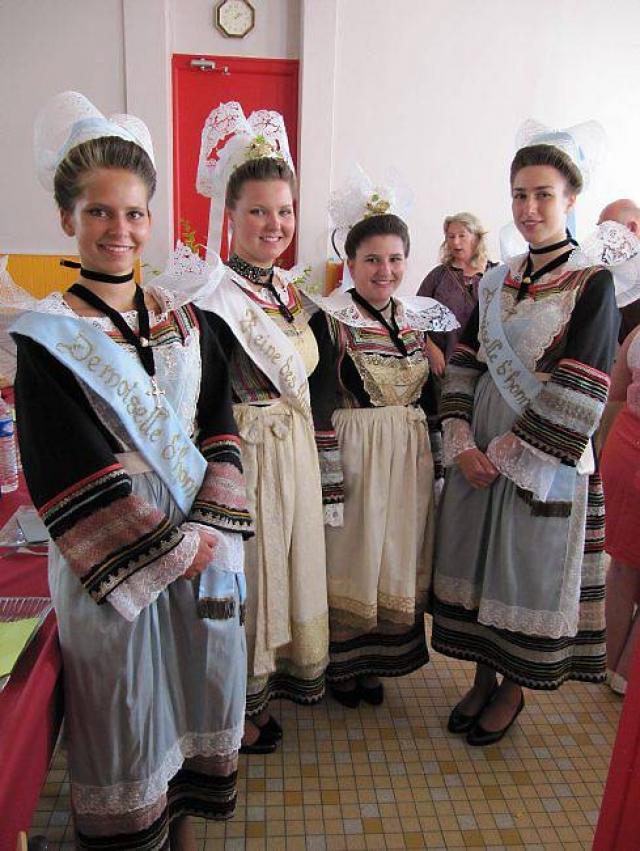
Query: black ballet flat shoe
[271,728]
[479,737]
[373,695]
[263,744]
[460,723]
[350,698]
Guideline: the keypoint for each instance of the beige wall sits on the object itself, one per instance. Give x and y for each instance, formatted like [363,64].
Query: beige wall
[433,88]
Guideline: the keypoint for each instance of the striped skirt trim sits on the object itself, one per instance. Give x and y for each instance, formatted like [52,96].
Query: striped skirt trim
[189,793]
[532,661]
[379,653]
[283,684]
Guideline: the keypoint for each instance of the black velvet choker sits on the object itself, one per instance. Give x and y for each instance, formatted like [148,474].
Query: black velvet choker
[263,278]
[89,275]
[530,277]
[255,274]
[547,249]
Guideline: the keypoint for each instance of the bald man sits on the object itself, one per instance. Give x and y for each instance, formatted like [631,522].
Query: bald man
[627,213]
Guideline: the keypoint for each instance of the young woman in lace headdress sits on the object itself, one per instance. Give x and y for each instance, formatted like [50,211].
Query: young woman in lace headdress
[519,570]
[246,169]
[132,459]
[371,396]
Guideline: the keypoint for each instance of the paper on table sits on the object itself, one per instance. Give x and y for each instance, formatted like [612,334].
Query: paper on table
[14,637]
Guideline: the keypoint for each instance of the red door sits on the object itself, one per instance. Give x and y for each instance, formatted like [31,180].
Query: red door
[255,84]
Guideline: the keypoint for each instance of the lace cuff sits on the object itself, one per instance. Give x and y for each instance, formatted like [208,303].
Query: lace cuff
[229,551]
[140,590]
[456,438]
[527,467]
[334,514]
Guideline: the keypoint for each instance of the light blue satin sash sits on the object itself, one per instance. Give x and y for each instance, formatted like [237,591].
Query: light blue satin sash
[517,385]
[149,419]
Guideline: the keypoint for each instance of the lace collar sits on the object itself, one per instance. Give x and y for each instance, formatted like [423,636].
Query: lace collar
[416,312]
[54,303]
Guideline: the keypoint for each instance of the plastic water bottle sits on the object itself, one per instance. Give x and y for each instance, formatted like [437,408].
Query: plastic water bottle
[8,455]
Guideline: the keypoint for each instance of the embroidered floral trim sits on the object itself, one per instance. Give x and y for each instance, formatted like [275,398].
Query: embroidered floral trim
[130,597]
[124,797]
[456,438]
[571,408]
[389,380]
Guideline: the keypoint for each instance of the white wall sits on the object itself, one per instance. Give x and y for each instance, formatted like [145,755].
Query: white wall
[118,53]
[45,48]
[276,33]
[439,89]
[433,88]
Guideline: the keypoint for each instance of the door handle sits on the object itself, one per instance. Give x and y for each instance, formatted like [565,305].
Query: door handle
[209,65]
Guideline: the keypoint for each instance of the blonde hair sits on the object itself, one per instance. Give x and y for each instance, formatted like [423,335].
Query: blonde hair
[474,226]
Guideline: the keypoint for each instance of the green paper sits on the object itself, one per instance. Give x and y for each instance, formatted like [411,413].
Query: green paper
[14,637]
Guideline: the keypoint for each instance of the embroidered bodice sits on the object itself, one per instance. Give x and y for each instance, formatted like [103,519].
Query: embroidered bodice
[176,347]
[387,377]
[374,373]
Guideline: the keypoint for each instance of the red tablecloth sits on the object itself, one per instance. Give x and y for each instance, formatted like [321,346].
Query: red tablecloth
[31,703]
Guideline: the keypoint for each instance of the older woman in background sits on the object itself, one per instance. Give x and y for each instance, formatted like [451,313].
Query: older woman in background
[455,281]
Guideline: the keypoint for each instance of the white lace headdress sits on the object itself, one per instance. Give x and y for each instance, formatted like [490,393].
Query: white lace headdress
[584,143]
[229,139]
[612,245]
[69,119]
[586,146]
[360,198]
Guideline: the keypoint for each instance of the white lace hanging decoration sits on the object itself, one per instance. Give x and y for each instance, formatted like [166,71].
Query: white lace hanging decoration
[68,120]
[187,276]
[612,245]
[229,139]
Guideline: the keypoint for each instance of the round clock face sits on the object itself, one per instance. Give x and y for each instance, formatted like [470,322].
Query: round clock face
[235,17]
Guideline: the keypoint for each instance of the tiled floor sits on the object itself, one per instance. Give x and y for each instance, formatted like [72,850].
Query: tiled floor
[392,777]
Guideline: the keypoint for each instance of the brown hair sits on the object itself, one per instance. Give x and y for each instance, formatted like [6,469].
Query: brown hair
[382,225]
[262,168]
[106,152]
[548,155]
[474,226]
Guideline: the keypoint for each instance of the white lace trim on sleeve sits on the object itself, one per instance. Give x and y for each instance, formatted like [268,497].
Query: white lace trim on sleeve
[456,438]
[527,467]
[145,586]
[229,552]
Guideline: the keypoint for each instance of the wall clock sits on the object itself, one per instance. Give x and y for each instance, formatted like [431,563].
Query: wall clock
[235,18]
